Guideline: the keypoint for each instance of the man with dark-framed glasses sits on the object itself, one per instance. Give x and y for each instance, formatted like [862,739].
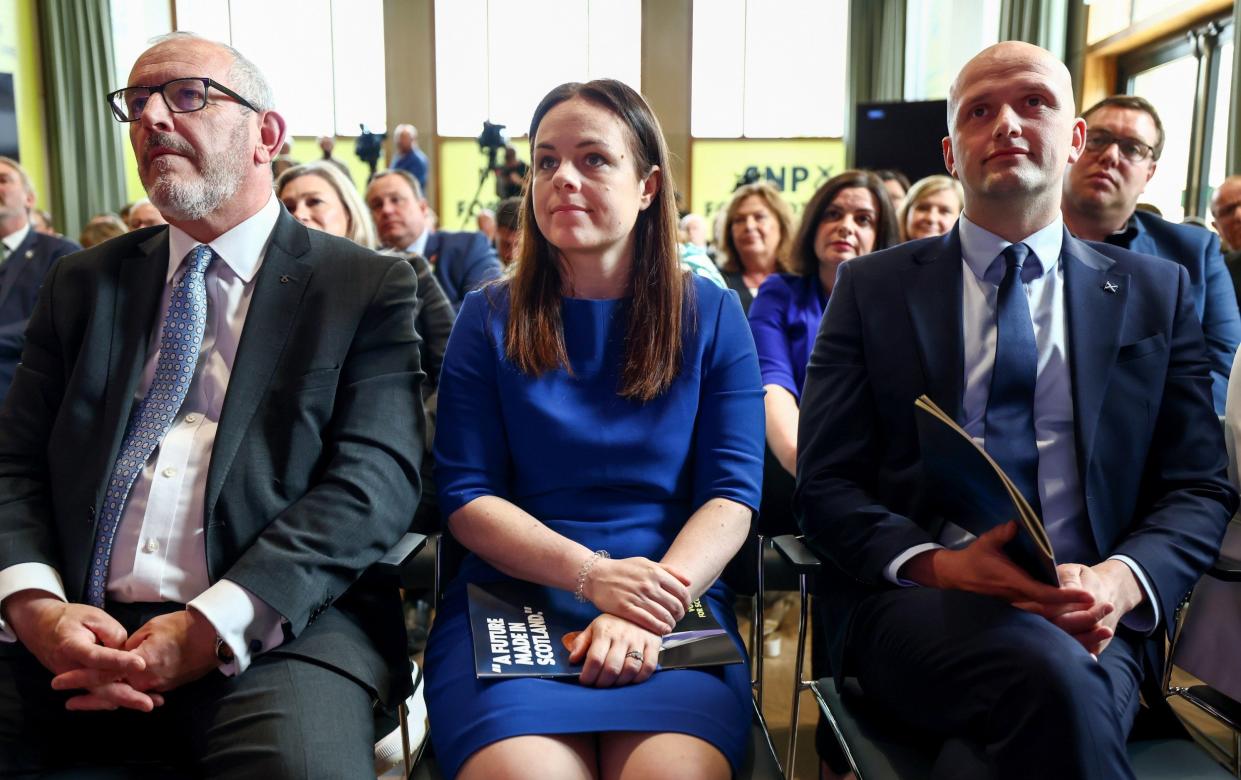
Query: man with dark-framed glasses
[199,461]
[1124,140]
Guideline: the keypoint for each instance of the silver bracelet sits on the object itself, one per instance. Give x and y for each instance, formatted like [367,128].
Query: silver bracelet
[584,572]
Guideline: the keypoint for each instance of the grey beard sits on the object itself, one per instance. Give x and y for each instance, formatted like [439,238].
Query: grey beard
[220,176]
[193,200]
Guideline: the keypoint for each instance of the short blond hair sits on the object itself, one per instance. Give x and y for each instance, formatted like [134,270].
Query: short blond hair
[925,188]
[361,229]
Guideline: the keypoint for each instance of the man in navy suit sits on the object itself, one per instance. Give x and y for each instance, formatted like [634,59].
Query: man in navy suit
[25,257]
[1080,367]
[462,261]
[1124,139]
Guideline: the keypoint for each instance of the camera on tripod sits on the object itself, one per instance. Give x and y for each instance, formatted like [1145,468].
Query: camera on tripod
[369,146]
[492,140]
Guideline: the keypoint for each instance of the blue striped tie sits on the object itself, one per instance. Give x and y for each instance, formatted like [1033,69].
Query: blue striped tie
[1009,435]
[179,341]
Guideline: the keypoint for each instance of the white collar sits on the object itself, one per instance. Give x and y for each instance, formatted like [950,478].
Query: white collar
[241,247]
[980,247]
[14,240]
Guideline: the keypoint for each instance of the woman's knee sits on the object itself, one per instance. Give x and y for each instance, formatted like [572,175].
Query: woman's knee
[674,756]
[568,756]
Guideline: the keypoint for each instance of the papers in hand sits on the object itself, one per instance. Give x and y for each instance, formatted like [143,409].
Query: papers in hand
[517,632]
[975,492]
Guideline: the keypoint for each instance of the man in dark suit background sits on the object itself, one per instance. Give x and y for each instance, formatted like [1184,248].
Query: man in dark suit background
[1082,369]
[462,261]
[214,431]
[1124,139]
[25,257]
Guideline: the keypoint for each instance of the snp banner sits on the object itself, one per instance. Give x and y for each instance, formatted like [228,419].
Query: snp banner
[796,166]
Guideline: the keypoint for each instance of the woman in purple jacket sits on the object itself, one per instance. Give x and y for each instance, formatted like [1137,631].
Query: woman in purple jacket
[849,216]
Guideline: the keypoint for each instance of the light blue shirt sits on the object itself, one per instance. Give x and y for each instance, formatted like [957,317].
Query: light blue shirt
[1059,480]
[419,245]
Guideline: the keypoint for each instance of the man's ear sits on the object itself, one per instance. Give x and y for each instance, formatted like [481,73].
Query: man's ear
[1151,172]
[650,186]
[30,199]
[1079,140]
[949,162]
[272,134]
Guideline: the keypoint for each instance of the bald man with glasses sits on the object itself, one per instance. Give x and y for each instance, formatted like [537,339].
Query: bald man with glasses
[1124,140]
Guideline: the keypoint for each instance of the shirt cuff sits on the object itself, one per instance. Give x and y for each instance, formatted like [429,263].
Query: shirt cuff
[1145,617]
[27,576]
[893,568]
[246,623]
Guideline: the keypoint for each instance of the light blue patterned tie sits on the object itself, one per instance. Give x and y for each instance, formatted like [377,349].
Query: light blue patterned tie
[179,341]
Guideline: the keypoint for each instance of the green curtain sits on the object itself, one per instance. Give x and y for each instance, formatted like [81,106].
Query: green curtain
[1234,103]
[876,58]
[1041,22]
[84,141]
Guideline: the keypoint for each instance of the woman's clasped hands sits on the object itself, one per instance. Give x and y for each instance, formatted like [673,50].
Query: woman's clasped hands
[651,595]
[641,600]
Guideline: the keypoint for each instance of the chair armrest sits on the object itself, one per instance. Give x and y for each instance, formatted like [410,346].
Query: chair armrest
[1228,566]
[402,553]
[795,552]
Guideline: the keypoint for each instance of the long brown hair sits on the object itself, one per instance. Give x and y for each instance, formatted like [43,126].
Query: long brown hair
[805,261]
[770,196]
[534,335]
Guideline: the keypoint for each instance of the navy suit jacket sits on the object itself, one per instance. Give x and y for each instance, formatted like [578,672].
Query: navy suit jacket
[21,274]
[1150,448]
[462,261]
[1210,285]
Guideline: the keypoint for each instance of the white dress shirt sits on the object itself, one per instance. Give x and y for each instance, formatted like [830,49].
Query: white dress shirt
[1059,480]
[159,553]
[14,240]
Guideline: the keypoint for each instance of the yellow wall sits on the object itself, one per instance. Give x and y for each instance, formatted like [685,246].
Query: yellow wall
[20,55]
[797,166]
[460,165]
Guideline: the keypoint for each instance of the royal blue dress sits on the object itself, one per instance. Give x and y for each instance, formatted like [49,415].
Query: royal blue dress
[610,473]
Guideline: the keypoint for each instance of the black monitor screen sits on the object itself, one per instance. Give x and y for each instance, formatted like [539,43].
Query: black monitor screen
[904,136]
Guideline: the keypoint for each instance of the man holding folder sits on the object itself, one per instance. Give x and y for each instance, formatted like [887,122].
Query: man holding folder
[1082,370]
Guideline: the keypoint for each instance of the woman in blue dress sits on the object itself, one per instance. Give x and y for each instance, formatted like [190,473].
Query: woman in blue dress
[598,401]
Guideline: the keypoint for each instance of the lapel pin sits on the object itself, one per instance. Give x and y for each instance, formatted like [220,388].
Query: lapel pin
[29,253]
[1111,287]
[285,279]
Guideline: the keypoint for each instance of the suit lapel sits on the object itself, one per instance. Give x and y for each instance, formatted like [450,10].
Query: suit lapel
[1095,306]
[278,290]
[136,303]
[16,264]
[933,292]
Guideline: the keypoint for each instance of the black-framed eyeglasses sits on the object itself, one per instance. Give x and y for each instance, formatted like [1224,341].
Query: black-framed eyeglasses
[182,96]
[1131,149]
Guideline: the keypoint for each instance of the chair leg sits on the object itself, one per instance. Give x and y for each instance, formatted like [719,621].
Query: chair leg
[756,630]
[799,683]
[402,713]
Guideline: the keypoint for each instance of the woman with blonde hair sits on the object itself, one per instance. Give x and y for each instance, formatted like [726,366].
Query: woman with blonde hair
[758,235]
[931,208]
[318,195]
